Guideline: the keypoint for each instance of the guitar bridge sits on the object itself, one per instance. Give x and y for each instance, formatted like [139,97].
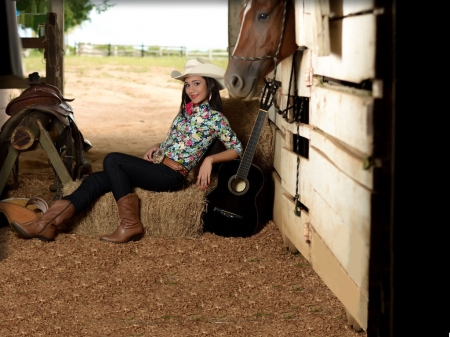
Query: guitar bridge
[227,214]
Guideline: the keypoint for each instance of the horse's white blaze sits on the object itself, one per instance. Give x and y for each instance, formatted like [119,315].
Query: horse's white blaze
[248,5]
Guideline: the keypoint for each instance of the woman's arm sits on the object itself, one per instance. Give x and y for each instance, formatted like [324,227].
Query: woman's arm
[204,173]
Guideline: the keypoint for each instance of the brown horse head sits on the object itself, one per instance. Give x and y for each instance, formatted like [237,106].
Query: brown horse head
[258,44]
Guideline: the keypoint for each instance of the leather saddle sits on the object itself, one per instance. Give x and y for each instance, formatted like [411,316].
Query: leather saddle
[42,95]
[49,99]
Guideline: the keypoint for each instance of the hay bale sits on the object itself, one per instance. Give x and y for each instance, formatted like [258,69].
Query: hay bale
[179,213]
[163,214]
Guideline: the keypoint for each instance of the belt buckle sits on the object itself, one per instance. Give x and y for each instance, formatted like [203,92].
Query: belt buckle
[158,156]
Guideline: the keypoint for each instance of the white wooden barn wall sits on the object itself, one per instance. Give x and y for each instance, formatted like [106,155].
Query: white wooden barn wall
[334,234]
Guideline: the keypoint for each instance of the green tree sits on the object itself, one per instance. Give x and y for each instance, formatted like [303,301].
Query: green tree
[34,12]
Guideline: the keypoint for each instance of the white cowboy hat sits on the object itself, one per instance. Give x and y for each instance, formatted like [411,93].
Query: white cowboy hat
[201,67]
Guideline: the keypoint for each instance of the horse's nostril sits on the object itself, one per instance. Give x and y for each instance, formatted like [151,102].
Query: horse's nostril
[236,81]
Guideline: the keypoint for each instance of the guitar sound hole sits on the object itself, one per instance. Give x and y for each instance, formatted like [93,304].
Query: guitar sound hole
[238,186]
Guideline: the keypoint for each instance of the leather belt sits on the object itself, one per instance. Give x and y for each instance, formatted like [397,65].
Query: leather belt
[175,166]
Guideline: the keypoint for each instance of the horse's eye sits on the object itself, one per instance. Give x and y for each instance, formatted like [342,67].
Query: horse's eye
[262,17]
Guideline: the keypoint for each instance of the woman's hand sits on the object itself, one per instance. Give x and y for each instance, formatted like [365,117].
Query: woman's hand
[149,153]
[204,173]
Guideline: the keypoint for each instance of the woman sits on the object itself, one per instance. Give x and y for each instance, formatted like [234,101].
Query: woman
[164,166]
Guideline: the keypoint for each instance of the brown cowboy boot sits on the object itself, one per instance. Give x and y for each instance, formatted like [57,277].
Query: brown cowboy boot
[130,228]
[44,227]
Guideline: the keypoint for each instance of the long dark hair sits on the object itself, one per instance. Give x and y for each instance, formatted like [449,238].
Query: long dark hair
[211,85]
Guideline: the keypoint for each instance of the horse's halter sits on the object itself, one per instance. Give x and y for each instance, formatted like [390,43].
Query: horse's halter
[274,57]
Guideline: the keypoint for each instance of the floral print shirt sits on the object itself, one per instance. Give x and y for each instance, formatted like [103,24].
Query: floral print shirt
[191,135]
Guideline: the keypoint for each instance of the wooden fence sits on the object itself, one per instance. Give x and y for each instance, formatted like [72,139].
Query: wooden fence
[145,51]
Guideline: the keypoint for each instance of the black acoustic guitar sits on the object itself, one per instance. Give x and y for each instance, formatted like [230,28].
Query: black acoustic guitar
[231,209]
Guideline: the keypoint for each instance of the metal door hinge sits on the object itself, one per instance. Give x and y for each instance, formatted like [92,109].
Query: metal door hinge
[309,77]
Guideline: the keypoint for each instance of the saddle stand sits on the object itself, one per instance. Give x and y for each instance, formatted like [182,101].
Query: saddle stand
[41,114]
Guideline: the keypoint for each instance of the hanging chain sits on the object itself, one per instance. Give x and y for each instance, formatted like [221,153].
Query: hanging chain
[297,206]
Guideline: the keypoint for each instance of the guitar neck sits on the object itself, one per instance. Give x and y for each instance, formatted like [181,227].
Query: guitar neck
[247,158]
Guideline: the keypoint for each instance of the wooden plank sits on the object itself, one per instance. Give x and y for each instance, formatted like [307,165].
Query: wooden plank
[346,116]
[293,227]
[13,82]
[271,113]
[284,74]
[54,44]
[349,163]
[7,167]
[285,160]
[318,33]
[352,43]
[4,100]
[312,21]
[339,207]
[279,142]
[342,238]
[304,75]
[336,278]
[288,174]
[281,105]
[52,59]
[340,213]
[303,65]
[47,144]
[33,42]
[277,214]
[57,7]
[234,9]
[324,261]
[287,170]
[350,7]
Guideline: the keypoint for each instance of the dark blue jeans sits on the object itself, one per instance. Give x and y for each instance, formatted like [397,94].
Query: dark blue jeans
[121,174]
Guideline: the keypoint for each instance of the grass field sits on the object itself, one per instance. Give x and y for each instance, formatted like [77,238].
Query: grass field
[36,62]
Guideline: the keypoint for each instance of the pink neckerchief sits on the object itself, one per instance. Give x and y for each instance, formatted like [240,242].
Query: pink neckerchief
[188,108]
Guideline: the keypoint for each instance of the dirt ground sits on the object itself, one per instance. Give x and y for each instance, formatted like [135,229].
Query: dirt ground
[210,286]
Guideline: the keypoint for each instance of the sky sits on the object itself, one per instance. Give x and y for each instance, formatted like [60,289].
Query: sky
[195,24]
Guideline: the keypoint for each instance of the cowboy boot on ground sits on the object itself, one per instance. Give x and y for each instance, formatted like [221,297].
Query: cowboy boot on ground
[44,228]
[130,227]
